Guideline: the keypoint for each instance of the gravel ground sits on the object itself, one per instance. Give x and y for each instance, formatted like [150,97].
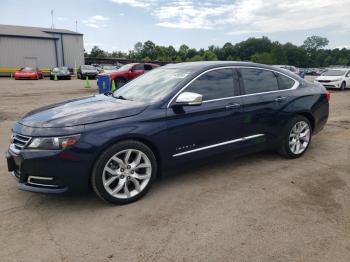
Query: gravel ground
[254,208]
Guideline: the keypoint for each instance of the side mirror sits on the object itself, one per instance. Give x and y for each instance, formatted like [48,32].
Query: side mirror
[189,99]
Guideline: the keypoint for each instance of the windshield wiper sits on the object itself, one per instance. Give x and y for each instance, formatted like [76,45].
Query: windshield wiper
[118,97]
[121,97]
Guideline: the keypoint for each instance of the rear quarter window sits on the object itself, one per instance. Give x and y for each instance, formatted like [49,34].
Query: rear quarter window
[285,82]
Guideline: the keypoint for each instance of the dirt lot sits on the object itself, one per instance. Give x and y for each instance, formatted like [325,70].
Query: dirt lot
[254,208]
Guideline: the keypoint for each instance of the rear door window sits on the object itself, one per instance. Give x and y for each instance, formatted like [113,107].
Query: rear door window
[214,84]
[258,80]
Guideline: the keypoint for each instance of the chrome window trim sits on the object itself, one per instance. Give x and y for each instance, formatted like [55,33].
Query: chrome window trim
[295,86]
[219,144]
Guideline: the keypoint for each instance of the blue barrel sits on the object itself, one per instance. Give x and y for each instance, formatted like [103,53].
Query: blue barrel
[104,84]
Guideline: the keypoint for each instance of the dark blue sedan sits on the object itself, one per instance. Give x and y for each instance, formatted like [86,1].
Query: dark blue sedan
[118,143]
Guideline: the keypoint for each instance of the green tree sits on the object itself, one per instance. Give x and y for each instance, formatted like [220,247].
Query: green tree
[149,50]
[262,50]
[313,43]
[138,50]
[278,55]
[263,58]
[296,56]
[253,46]
[209,56]
[195,58]
[183,51]
[97,52]
[343,61]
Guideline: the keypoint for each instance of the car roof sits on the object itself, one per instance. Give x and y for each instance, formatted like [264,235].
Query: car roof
[206,65]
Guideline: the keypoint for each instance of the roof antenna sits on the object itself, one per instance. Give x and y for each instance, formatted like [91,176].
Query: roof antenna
[52,25]
[76,25]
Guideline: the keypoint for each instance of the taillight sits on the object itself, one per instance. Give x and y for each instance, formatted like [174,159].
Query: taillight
[328,96]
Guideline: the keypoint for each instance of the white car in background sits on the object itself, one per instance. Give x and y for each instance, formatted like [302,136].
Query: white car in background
[335,78]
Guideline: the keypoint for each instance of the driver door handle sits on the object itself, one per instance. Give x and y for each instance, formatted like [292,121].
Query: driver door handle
[281,99]
[233,106]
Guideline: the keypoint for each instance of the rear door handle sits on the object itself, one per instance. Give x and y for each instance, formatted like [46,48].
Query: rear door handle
[281,99]
[233,106]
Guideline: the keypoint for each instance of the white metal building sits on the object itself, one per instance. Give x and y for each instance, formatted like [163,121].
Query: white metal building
[39,47]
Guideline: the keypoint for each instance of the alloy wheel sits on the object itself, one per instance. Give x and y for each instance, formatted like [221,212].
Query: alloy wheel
[299,137]
[127,173]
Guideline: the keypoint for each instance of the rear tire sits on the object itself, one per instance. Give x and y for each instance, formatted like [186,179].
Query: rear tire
[297,138]
[124,172]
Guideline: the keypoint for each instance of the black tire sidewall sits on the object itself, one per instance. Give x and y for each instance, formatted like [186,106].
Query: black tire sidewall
[96,178]
[343,86]
[286,149]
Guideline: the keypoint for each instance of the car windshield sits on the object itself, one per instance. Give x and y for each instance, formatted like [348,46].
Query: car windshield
[88,67]
[27,69]
[152,86]
[109,67]
[333,72]
[64,68]
[125,67]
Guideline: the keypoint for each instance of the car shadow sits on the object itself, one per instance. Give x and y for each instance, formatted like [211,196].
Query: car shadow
[188,173]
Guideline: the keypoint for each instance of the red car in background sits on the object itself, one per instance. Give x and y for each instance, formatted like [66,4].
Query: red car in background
[126,73]
[28,73]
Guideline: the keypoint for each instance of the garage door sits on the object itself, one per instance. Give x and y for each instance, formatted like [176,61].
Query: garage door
[30,62]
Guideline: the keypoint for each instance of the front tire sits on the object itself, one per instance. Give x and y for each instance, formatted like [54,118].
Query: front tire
[124,172]
[297,138]
[343,85]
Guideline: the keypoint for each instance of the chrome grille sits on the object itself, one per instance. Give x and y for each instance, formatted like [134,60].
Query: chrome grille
[18,141]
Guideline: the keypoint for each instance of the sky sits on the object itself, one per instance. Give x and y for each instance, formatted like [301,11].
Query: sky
[119,24]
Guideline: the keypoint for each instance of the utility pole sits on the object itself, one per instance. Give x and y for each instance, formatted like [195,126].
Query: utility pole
[52,25]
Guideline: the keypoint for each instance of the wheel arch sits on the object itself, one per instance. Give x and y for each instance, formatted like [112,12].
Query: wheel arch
[138,138]
[309,117]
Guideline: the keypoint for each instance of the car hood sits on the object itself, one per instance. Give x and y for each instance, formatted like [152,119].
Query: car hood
[328,77]
[82,111]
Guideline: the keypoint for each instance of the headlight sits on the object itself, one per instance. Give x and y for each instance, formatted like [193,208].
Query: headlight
[336,80]
[52,143]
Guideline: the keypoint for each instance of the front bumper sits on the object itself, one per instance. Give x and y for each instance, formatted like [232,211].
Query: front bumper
[49,171]
[31,77]
[335,84]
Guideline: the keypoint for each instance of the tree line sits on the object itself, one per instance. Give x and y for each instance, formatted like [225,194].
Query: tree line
[261,50]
